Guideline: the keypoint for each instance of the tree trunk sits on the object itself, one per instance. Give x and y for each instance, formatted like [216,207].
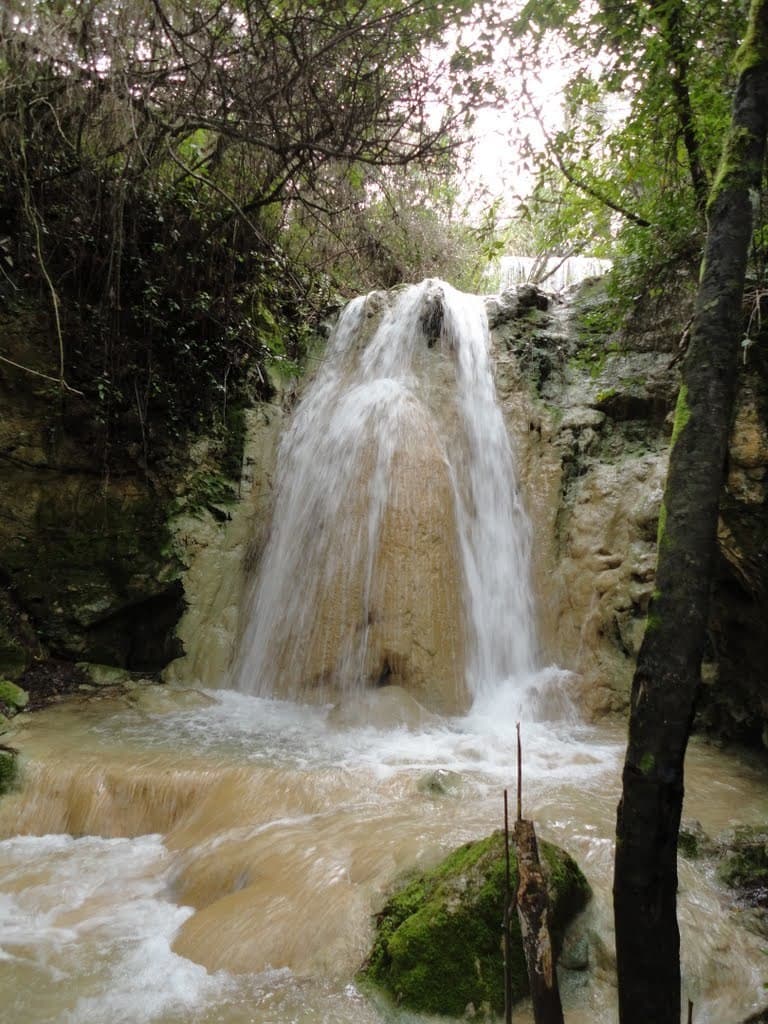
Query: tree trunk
[533,914]
[669,663]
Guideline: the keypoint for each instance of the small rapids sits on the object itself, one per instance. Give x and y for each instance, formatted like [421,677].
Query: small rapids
[218,856]
[224,861]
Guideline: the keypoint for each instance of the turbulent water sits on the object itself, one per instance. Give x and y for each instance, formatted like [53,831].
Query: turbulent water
[221,863]
[217,857]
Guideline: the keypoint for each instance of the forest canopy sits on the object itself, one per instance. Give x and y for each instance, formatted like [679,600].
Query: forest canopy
[180,183]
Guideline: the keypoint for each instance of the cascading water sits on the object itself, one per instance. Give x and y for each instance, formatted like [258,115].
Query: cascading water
[178,855]
[400,549]
[555,273]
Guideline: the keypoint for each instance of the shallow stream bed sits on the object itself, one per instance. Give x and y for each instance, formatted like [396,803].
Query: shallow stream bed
[217,858]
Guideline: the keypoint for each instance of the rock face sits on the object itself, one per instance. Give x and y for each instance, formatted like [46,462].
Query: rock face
[590,411]
[95,541]
[99,565]
[438,941]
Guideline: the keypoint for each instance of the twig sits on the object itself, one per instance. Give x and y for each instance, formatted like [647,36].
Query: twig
[55,380]
[519,776]
[505,924]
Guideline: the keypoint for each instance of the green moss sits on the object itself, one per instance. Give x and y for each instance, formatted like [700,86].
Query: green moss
[604,396]
[12,695]
[746,862]
[693,842]
[653,622]
[682,413]
[732,171]
[754,49]
[8,770]
[438,941]
[687,845]
[209,491]
[647,763]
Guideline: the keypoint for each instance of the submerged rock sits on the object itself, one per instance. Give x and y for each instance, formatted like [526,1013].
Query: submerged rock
[388,707]
[438,941]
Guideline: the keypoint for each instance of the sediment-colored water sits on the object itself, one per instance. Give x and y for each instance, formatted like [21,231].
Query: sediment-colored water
[222,862]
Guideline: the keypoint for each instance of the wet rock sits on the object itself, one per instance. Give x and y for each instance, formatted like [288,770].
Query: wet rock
[693,842]
[105,675]
[500,309]
[438,947]
[590,417]
[761,1017]
[744,866]
[574,955]
[432,316]
[531,297]
[164,700]
[440,782]
[8,769]
[387,707]
[13,697]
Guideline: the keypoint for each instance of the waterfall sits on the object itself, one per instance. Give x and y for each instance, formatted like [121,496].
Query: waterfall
[555,273]
[399,550]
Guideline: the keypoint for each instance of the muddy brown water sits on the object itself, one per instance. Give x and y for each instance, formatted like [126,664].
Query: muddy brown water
[218,858]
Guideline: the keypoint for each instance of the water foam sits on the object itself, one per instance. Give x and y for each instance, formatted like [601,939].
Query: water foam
[374,396]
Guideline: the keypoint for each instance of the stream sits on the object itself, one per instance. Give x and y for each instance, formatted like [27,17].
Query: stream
[183,856]
[218,856]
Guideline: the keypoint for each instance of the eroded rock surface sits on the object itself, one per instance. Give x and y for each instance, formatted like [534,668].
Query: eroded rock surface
[590,411]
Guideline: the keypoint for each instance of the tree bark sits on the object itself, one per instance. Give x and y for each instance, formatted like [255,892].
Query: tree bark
[533,914]
[669,663]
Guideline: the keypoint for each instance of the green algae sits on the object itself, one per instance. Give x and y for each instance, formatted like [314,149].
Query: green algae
[8,770]
[12,696]
[438,946]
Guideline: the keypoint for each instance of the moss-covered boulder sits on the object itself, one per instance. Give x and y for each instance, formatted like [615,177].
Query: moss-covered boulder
[12,697]
[693,842]
[438,940]
[8,769]
[745,863]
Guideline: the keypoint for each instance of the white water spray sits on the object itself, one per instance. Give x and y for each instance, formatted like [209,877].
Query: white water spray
[406,383]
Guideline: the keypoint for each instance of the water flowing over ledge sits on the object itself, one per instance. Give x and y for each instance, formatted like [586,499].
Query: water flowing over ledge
[400,548]
[226,852]
[555,273]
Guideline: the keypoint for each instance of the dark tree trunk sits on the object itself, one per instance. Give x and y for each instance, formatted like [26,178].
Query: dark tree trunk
[670,21]
[533,914]
[669,663]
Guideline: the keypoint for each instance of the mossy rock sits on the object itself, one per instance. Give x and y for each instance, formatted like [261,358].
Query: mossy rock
[12,696]
[745,864]
[438,941]
[693,842]
[8,769]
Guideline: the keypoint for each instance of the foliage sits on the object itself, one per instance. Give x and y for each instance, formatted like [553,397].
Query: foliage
[164,167]
[646,104]
[398,225]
